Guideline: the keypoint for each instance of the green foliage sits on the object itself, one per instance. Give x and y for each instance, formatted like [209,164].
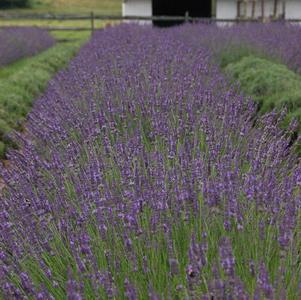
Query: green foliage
[234,53]
[22,82]
[271,84]
[70,35]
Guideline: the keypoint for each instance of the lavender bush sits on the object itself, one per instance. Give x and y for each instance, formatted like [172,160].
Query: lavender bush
[19,42]
[144,175]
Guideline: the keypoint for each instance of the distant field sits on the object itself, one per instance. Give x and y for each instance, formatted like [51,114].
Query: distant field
[54,23]
[104,7]
[72,6]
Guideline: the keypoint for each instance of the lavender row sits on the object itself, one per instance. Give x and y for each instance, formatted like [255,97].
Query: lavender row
[143,175]
[279,41]
[17,42]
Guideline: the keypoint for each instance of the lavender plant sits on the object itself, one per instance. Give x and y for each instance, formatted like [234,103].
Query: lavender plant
[19,42]
[144,175]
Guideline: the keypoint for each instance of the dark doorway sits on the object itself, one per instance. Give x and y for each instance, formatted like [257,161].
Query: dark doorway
[195,8]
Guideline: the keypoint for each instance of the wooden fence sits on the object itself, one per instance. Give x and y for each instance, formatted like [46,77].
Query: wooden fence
[92,18]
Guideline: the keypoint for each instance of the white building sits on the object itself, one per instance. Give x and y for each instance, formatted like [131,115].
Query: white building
[221,9]
[195,8]
[231,9]
[137,8]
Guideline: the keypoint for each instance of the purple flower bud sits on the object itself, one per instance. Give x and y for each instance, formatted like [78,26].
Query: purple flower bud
[226,257]
[130,291]
[26,282]
[152,294]
[263,282]
[174,266]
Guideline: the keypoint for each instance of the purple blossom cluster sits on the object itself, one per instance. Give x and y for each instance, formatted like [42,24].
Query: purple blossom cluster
[19,42]
[144,175]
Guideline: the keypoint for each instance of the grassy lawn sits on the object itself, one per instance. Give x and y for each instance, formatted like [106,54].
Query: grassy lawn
[103,7]
[112,7]
[71,35]
[54,23]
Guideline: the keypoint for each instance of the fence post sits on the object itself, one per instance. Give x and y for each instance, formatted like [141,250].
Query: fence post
[284,9]
[275,9]
[253,8]
[92,22]
[238,9]
[186,17]
[262,10]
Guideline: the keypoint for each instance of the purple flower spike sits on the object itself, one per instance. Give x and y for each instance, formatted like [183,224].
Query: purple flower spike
[130,291]
[227,259]
[263,283]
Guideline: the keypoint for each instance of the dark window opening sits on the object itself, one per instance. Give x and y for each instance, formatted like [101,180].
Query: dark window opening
[195,8]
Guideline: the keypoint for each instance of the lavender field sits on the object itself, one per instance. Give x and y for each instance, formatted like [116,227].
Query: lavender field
[145,174]
[16,43]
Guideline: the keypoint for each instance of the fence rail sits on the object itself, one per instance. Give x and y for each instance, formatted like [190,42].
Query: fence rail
[93,17]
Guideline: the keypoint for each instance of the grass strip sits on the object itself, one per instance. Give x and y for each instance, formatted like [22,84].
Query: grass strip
[23,81]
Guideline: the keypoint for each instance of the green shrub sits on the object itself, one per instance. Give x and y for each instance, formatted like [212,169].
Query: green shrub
[234,53]
[271,84]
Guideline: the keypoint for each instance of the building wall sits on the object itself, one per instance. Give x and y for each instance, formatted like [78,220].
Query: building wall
[293,9]
[137,8]
[227,9]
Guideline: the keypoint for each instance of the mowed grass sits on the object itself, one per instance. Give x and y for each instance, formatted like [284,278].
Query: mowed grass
[105,7]
[56,23]
[71,35]
[82,7]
